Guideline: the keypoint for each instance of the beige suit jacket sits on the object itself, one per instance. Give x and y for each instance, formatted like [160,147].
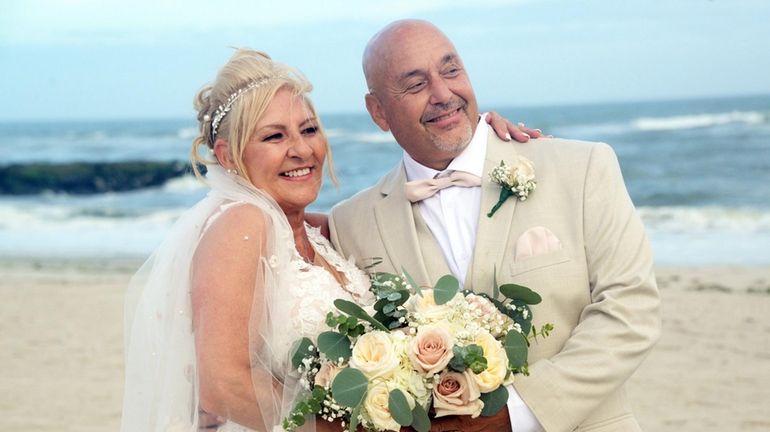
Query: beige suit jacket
[598,290]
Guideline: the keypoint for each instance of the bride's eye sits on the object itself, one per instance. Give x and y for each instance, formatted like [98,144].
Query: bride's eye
[273,137]
[311,130]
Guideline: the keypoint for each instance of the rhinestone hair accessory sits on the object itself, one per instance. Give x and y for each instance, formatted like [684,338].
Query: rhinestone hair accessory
[222,110]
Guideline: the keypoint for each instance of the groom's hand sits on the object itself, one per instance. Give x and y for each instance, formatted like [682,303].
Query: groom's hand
[499,422]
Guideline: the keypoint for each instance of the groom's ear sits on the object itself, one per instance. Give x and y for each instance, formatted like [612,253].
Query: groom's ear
[375,111]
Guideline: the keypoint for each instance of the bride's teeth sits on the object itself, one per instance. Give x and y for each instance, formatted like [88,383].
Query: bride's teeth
[297,173]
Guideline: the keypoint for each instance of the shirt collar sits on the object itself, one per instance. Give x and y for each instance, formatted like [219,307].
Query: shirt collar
[471,159]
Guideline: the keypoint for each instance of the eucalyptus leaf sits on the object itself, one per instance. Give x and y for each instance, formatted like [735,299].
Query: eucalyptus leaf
[411,281]
[495,286]
[516,349]
[349,387]
[494,401]
[520,292]
[300,352]
[399,408]
[335,345]
[354,418]
[445,289]
[355,310]
[420,419]
[394,296]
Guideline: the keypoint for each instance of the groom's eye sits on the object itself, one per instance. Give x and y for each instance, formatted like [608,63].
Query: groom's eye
[415,87]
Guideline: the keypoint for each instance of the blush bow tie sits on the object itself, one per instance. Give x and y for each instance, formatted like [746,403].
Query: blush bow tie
[419,190]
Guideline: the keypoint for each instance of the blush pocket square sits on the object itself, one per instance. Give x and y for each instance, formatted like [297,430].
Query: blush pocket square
[535,241]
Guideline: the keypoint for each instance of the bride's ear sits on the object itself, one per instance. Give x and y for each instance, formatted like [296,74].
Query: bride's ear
[222,152]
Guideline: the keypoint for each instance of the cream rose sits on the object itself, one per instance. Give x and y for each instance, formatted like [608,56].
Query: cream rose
[326,374]
[457,394]
[497,363]
[524,170]
[376,406]
[374,354]
[431,350]
[425,305]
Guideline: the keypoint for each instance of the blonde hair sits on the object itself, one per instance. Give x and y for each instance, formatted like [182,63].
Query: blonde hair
[246,66]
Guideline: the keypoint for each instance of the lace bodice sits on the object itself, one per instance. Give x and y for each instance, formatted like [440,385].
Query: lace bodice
[313,290]
[308,292]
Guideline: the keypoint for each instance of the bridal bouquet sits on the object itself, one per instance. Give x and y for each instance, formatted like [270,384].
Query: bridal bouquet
[441,348]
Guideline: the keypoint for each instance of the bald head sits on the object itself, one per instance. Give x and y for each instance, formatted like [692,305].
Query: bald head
[419,91]
[380,50]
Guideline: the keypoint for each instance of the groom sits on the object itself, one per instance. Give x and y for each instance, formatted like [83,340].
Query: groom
[576,240]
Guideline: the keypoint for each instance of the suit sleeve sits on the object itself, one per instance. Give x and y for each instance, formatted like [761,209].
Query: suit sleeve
[622,322]
[334,234]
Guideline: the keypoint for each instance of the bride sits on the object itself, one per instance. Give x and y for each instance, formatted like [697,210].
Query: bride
[212,315]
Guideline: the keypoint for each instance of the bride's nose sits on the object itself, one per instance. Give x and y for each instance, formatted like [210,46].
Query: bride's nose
[299,148]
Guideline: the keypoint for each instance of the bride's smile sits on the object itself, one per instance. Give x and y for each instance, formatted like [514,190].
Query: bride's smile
[285,156]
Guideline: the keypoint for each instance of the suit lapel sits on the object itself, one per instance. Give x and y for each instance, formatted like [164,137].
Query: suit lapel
[395,222]
[492,233]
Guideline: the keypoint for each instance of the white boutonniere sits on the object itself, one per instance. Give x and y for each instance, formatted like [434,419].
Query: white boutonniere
[518,181]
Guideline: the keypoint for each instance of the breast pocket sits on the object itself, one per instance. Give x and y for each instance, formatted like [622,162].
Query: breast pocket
[539,262]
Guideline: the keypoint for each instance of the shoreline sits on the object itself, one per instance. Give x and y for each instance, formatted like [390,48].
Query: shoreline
[62,362]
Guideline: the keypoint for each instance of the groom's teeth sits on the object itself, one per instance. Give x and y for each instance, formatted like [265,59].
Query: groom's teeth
[297,173]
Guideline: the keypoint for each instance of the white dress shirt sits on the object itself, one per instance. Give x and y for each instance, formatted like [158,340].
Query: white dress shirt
[452,215]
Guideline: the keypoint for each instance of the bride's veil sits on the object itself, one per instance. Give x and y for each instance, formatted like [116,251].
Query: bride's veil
[162,392]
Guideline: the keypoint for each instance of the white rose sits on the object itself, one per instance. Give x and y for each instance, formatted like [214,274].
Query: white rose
[497,363]
[427,308]
[374,354]
[457,394]
[431,350]
[524,170]
[376,406]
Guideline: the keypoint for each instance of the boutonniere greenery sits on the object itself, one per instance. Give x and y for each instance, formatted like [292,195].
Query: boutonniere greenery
[518,181]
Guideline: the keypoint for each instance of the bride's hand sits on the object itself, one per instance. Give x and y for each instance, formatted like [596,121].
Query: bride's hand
[506,130]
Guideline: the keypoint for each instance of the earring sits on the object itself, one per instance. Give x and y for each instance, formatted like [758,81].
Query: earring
[232,171]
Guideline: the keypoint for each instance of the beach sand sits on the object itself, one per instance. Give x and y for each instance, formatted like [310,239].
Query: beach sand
[61,363]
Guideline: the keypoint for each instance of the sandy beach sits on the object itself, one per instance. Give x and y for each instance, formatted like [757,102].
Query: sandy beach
[62,348]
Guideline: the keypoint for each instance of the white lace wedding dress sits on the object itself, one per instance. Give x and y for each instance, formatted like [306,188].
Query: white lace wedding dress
[312,290]
[162,389]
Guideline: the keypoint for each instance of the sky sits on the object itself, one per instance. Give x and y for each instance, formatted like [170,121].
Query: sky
[140,59]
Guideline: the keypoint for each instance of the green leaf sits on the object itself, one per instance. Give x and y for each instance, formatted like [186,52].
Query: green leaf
[411,281]
[354,418]
[300,352]
[494,401]
[420,419]
[334,345]
[399,408]
[519,292]
[495,287]
[445,289]
[355,310]
[516,349]
[349,387]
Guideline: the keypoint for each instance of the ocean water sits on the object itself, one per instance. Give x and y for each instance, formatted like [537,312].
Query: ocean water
[697,170]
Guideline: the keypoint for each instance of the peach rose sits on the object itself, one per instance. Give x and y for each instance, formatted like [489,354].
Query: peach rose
[326,374]
[457,394]
[431,350]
